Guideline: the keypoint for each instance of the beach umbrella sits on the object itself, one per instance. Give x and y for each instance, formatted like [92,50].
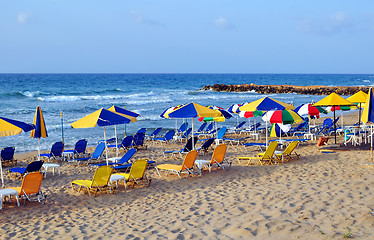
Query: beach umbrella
[282,116]
[101,118]
[310,110]
[9,127]
[358,98]
[193,110]
[266,104]
[278,129]
[125,113]
[40,130]
[368,117]
[333,100]
[250,114]
[165,114]
[235,109]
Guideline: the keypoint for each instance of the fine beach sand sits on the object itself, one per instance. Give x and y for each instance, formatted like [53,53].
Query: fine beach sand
[320,196]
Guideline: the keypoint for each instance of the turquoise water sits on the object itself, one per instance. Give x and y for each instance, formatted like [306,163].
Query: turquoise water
[76,95]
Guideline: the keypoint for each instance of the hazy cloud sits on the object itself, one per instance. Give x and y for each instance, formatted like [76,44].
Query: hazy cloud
[140,19]
[336,23]
[24,17]
[223,23]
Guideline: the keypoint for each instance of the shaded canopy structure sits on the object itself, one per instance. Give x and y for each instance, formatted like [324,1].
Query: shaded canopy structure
[333,100]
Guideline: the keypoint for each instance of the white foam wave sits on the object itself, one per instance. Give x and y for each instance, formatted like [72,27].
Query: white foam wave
[149,101]
[28,93]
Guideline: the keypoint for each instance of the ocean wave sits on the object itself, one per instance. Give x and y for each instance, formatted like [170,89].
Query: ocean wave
[148,101]
[80,98]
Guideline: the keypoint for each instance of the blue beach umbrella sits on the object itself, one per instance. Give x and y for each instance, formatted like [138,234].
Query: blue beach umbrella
[40,130]
[125,113]
[9,127]
[101,118]
[192,110]
[368,117]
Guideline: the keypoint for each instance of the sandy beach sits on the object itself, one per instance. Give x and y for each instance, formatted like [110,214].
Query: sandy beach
[319,196]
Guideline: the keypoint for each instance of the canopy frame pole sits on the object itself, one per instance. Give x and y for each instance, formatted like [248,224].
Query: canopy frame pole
[2,176]
[106,148]
[334,127]
[115,133]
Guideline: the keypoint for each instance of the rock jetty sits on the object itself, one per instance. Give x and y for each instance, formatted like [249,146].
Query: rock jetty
[268,89]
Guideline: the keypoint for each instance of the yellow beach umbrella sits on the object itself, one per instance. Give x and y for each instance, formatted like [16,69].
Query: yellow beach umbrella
[333,100]
[192,110]
[101,118]
[125,113]
[9,127]
[359,98]
[266,104]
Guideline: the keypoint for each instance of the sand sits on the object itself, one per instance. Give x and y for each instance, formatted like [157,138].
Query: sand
[319,196]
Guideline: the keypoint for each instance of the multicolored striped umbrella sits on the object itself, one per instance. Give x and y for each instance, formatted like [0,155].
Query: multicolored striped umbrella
[282,116]
[310,110]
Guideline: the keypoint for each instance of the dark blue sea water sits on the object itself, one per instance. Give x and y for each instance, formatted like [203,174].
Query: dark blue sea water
[76,95]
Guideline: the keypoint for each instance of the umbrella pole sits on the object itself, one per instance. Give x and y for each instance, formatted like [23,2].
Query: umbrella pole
[62,128]
[309,123]
[115,133]
[266,126]
[2,176]
[106,149]
[359,116]
[334,126]
[38,149]
[371,145]
[193,144]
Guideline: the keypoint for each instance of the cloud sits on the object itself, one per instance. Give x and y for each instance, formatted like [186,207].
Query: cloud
[223,23]
[24,17]
[140,19]
[338,22]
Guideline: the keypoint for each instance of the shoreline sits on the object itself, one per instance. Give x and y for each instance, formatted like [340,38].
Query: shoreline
[270,89]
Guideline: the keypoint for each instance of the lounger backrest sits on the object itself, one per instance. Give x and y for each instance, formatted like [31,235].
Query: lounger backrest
[240,125]
[270,150]
[183,127]
[156,131]
[7,153]
[126,142]
[138,168]
[169,135]
[210,127]
[189,146]
[57,149]
[221,132]
[202,126]
[31,183]
[128,155]
[142,130]
[98,150]
[327,123]
[102,176]
[187,132]
[80,146]
[34,166]
[189,160]
[219,154]
[207,143]
[291,147]
[139,139]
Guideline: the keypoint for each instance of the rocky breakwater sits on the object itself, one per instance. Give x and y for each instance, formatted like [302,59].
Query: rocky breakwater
[268,89]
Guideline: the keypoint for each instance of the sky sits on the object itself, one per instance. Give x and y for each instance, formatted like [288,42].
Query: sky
[187,36]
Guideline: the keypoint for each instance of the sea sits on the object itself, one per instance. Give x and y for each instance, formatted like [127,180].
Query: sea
[65,98]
